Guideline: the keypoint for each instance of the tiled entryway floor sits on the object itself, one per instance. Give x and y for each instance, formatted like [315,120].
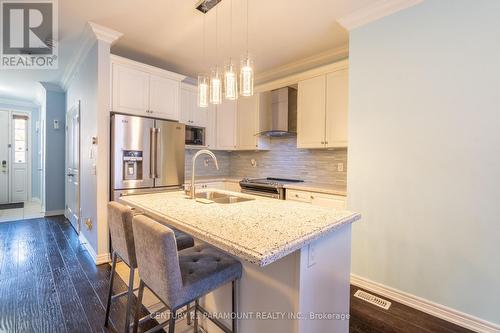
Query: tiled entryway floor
[31,210]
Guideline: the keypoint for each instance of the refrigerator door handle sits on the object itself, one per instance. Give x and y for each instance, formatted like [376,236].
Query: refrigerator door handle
[152,152]
[157,148]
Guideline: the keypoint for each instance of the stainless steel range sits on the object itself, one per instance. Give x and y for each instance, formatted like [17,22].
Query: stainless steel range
[267,187]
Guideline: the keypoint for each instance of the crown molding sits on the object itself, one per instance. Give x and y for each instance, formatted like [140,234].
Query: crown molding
[375,12]
[51,86]
[302,65]
[103,33]
[91,33]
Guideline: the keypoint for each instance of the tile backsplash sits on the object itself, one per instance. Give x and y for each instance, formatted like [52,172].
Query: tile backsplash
[205,165]
[283,160]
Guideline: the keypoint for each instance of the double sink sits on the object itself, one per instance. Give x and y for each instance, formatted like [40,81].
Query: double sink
[221,198]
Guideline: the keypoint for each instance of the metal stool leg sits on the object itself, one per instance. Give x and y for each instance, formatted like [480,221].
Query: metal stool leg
[129,299]
[110,292]
[138,306]
[188,314]
[196,316]
[235,307]
[171,324]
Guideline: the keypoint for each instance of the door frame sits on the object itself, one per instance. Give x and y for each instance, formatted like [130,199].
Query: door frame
[76,105]
[28,155]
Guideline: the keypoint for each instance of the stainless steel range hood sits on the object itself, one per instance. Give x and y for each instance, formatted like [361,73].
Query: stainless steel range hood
[281,112]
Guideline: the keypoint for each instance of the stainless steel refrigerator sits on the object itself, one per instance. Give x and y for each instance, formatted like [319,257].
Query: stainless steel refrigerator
[146,155]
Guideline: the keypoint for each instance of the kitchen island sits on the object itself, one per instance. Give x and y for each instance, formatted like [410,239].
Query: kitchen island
[295,256]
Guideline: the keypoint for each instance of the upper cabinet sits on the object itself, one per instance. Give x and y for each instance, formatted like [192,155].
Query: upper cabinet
[322,108]
[250,122]
[311,109]
[191,113]
[337,96]
[144,90]
[226,125]
[130,90]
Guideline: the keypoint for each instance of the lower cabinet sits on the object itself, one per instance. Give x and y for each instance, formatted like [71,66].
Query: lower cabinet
[222,185]
[318,199]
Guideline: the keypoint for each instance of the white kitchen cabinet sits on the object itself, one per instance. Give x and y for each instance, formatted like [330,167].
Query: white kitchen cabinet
[232,186]
[130,90]
[144,90]
[322,108]
[164,97]
[226,125]
[318,199]
[311,103]
[211,129]
[191,113]
[337,96]
[249,122]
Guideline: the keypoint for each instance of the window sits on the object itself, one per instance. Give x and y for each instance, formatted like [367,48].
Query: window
[20,140]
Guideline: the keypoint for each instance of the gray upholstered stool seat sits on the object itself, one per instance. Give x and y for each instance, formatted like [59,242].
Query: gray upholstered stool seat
[178,278]
[122,239]
[204,269]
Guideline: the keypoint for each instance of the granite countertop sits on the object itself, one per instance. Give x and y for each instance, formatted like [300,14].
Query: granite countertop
[260,231]
[318,187]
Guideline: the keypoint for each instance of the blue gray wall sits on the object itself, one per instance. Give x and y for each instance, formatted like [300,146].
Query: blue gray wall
[55,151]
[424,153]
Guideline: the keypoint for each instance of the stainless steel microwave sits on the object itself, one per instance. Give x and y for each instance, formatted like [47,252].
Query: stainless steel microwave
[195,136]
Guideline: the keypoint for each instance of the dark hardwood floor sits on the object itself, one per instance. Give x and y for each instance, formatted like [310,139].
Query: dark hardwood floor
[49,283]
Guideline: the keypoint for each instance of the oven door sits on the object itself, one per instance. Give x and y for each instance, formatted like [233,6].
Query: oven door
[261,193]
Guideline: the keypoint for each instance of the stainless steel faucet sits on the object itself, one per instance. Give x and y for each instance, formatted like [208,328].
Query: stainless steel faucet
[192,193]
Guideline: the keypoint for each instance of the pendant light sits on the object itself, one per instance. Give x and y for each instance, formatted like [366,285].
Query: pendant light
[203,81]
[246,70]
[215,78]
[230,78]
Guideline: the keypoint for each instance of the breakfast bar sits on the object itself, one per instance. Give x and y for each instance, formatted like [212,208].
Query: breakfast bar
[295,256]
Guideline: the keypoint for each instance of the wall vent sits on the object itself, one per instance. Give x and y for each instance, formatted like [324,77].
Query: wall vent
[380,302]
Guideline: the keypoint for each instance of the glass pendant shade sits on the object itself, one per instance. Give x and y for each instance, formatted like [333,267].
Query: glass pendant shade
[246,77]
[230,82]
[215,88]
[203,91]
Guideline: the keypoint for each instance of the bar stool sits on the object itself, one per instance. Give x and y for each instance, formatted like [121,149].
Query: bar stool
[122,239]
[178,278]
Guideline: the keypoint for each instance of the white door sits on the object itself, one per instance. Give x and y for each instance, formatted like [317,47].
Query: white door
[311,107]
[4,158]
[226,125]
[130,90]
[20,158]
[164,97]
[73,166]
[337,96]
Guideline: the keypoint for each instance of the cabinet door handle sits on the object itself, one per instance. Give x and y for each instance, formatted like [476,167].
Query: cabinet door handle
[296,195]
[312,197]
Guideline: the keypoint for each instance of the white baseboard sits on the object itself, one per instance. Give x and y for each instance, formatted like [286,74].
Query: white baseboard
[98,259]
[421,304]
[54,213]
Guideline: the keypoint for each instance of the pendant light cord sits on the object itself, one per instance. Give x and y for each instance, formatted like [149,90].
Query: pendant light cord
[247,27]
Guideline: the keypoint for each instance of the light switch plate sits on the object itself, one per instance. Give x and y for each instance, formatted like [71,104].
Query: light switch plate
[340,167]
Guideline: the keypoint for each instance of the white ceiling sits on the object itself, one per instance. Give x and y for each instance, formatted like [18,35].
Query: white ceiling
[169,34]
